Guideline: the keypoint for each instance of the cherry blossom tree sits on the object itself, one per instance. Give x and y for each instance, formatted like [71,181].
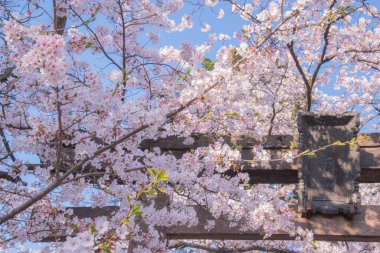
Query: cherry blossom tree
[83,124]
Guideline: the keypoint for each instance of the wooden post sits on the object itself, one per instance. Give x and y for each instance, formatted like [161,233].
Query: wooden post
[329,178]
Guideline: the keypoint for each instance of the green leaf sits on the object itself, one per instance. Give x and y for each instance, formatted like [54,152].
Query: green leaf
[129,72]
[160,189]
[163,176]
[230,115]
[235,56]
[125,221]
[107,250]
[151,192]
[208,64]
[89,44]
[136,210]
[116,88]
[128,198]
[238,148]
[247,187]
[93,229]
[75,227]
[153,172]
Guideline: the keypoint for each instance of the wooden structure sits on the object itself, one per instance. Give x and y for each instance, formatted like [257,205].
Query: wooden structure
[365,226]
[328,179]
[322,191]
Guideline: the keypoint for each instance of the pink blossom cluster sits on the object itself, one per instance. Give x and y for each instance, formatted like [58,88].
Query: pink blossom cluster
[78,108]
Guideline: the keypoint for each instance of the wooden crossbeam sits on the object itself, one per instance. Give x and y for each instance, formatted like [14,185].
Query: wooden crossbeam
[364,227]
[246,142]
[281,172]
[275,172]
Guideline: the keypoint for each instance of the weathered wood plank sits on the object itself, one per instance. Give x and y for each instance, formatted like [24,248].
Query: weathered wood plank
[279,172]
[257,175]
[176,143]
[282,172]
[370,140]
[364,226]
[246,142]
[83,212]
[276,172]
[370,158]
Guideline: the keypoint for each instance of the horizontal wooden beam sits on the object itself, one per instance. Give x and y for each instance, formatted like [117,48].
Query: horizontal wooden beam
[364,227]
[282,172]
[274,172]
[245,142]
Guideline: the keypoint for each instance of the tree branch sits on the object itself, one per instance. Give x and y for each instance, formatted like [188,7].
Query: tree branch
[97,40]
[6,145]
[125,137]
[6,176]
[59,135]
[6,74]
[302,73]
[183,244]
[59,22]
[60,180]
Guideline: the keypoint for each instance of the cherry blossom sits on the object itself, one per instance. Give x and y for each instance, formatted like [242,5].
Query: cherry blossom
[220,14]
[205,28]
[85,84]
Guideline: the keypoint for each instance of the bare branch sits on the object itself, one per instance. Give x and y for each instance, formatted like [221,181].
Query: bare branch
[182,244]
[8,72]
[6,145]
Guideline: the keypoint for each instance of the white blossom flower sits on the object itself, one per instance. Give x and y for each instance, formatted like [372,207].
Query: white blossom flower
[115,76]
[235,8]
[188,141]
[205,28]
[261,154]
[86,239]
[224,37]
[220,14]
[211,3]
[247,11]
